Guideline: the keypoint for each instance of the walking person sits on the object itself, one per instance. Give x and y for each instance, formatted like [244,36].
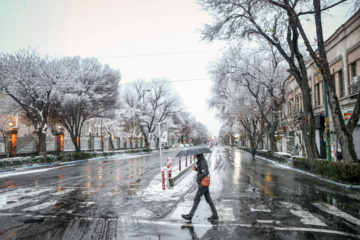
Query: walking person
[203,170]
[339,155]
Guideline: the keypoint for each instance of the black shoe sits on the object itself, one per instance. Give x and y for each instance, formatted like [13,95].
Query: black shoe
[187,216]
[213,218]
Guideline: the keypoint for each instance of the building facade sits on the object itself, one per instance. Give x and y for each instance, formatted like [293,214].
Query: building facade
[343,52]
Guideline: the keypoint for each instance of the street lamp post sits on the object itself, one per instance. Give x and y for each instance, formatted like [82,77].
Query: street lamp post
[142,129]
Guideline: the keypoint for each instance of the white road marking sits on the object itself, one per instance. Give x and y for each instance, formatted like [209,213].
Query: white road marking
[293,206]
[33,192]
[196,225]
[20,203]
[258,208]
[268,221]
[40,206]
[335,211]
[182,208]
[225,213]
[145,213]
[63,192]
[86,204]
[307,218]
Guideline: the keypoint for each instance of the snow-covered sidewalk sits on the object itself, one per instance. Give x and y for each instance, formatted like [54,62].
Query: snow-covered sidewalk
[155,192]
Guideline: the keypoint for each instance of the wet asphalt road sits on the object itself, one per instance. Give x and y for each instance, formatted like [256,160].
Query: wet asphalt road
[255,199]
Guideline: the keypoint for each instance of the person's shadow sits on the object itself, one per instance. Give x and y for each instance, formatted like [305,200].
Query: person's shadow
[190,227]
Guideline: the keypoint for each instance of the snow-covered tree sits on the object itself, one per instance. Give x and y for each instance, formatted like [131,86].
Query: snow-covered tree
[200,134]
[156,100]
[90,92]
[262,76]
[30,80]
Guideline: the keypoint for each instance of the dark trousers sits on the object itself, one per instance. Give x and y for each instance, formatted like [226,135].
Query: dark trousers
[200,192]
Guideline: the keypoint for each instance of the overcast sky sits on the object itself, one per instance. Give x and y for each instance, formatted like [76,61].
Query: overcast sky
[144,39]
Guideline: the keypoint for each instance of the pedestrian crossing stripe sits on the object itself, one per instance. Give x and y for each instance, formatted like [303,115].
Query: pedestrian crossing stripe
[197,225]
[225,212]
[268,221]
[307,218]
[335,211]
[41,206]
[258,208]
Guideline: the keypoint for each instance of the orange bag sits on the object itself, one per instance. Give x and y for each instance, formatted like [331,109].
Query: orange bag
[205,182]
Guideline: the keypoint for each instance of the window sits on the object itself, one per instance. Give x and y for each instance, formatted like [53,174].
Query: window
[353,69]
[298,103]
[317,94]
[290,106]
[341,82]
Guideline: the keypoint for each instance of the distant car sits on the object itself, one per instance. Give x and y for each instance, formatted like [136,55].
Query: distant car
[187,145]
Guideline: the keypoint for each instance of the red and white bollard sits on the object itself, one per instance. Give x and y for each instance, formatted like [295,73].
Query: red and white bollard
[163,178]
[169,166]
[179,163]
[186,162]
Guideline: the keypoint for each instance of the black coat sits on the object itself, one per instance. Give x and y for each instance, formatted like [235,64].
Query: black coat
[202,169]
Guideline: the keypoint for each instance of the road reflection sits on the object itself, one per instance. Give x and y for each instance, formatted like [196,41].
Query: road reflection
[60,188]
[10,184]
[237,166]
[190,227]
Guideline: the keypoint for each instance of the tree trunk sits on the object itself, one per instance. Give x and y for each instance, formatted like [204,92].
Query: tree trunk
[308,126]
[42,142]
[273,140]
[111,143]
[147,145]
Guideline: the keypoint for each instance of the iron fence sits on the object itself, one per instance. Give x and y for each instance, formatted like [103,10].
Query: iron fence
[29,145]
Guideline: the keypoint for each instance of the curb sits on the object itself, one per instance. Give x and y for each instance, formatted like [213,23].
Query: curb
[7,170]
[179,176]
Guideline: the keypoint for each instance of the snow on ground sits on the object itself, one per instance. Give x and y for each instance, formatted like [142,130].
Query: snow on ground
[3,201]
[155,192]
[17,173]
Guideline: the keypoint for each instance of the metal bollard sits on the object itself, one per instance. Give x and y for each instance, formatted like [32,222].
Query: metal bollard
[169,166]
[186,162]
[179,163]
[190,159]
[163,178]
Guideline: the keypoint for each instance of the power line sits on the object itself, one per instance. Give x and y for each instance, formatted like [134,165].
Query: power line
[157,54]
[179,80]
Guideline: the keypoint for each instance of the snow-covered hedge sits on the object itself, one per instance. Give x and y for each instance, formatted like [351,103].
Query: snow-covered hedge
[283,154]
[28,160]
